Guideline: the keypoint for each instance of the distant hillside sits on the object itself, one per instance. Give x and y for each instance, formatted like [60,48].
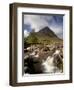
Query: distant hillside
[44,36]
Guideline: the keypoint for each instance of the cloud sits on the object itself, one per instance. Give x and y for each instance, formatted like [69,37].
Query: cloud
[26,33]
[58,30]
[37,22]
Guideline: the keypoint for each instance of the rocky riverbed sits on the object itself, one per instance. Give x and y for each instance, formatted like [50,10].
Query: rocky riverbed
[43,59]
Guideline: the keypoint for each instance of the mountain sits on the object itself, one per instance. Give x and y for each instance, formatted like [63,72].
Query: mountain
[44,36]
[47,32]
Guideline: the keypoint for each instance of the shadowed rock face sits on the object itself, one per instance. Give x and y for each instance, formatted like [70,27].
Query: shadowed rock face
[33,65]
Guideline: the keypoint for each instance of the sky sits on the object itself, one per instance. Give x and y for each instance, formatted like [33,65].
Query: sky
[37,22]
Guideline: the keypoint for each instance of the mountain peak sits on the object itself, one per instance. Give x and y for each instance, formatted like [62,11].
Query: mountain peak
[47,31]
[46,27]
